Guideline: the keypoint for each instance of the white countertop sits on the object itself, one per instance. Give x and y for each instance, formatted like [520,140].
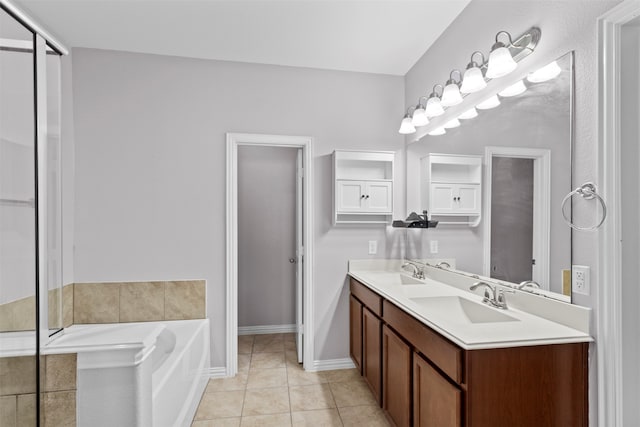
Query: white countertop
[522,328]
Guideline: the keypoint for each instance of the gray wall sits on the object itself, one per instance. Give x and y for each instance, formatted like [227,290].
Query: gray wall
[566,25]
[266,235]
[150,168]
[630,204]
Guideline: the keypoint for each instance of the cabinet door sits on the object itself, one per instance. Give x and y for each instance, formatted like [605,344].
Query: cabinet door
[379,197]
[441,198]
[468,198]
[350,196]
[396,378]
[371,351]
[355,332]
[436,402]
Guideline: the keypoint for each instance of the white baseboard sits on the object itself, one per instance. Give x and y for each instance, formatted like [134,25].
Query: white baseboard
[331,364]
[217,372]
[266,329]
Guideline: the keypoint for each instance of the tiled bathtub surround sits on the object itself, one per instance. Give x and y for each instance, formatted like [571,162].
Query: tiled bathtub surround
[19,315]
[122,302]
[18,391]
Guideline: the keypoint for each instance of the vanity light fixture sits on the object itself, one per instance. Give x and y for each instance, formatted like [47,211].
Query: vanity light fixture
[451,94]
[548,72]
[406,127]
[501,62]
[453,123]
[434,106]
[438,131]
[469,114]
[473,79]
[419,117]
[489,103]
[515,89]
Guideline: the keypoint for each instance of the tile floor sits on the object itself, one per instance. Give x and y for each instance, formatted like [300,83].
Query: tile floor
[272,389]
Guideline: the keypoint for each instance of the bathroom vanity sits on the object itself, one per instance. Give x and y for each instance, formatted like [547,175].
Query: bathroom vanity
[434,354]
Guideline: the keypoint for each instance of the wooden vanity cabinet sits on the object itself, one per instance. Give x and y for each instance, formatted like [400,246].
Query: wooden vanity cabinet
[355,332]
[420,378]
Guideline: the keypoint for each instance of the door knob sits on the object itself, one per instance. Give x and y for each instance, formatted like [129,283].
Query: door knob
[292,260]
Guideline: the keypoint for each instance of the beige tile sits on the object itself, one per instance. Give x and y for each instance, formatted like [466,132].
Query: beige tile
[266,401]
[67,305]
[245,347]
[270,347]
[263,339]
[54,308]
[267,378]
[60,409]
[246,338]
[8,411]
[141,301]
[220,404]
[289,337]
[291,358]
[309,397]
[342,375]
[18,315]
[60,372]
[27,410]
[219,422]
[244,361]
[317,418]
[96,303]
[239,382]
[273,420]
[290,346]
[356,416]
[185,300]
[298,376]
[17,375]
[267,360]
[352,393]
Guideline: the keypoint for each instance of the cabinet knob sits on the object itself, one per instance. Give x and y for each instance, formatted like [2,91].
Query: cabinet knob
[367,196]
[362,197]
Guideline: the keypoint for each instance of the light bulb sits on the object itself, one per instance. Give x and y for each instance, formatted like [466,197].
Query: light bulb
[473,80]
[453,123]
[451,95]
[434,107]
[405,126]
[489,103]
[515,89]
[469,114]
[419,117]
[501,62]
[438,131]
[545,73]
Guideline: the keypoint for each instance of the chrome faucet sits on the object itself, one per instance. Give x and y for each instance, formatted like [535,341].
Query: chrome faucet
[443,264]
[418,273]
[491,296]
[526,283]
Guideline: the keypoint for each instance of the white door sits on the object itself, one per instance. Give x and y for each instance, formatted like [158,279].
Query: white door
[442,198]
[350,196]
[299,257]
[467,199]
[379,197]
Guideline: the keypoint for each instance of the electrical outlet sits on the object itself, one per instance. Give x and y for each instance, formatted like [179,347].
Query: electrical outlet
[373,247]
[580,279]
[433,246]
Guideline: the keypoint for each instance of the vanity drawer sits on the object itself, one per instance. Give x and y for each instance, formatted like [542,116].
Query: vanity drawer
[369,298]
[446,355]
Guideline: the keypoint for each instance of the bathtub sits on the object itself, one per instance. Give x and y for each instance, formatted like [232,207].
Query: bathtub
[138,374]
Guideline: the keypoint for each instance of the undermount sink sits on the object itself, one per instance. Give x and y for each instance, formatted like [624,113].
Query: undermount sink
[459,308]
[401,279]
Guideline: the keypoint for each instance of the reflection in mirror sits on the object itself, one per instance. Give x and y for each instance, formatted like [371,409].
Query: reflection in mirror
[525,144]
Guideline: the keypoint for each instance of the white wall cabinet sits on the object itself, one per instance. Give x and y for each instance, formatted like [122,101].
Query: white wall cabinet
[453,188]
[363,186]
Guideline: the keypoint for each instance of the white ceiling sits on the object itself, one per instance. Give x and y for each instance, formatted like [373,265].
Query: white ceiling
[381,36]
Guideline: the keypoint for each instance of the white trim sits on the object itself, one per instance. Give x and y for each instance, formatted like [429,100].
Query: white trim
[609,302]
[233,141]
[541,202]
[266,329]
[216,372]
[33,26]
[332,364]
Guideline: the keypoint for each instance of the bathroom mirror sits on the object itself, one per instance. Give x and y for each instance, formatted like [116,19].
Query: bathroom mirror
[525,145]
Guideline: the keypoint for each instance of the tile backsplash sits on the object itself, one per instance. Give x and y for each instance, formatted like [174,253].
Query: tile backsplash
[121,302]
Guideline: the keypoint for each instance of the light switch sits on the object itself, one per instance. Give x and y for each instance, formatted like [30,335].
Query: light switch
[373,247]
[433,246]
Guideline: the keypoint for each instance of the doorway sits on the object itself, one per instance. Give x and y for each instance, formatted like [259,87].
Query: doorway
[282,250]
[518,204]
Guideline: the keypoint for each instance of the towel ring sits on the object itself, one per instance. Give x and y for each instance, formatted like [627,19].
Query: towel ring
[587,191]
